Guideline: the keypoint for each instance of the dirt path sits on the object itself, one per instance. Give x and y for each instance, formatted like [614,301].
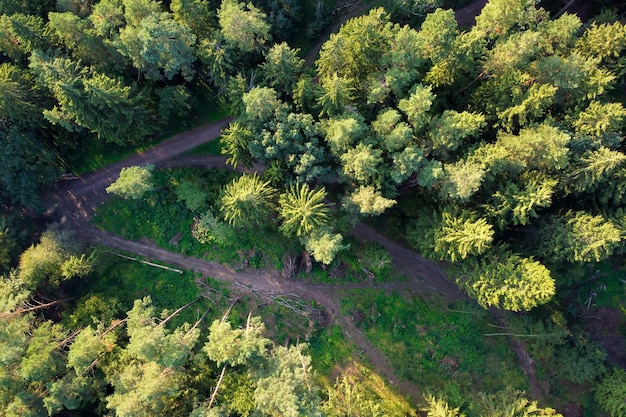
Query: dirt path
[74,203]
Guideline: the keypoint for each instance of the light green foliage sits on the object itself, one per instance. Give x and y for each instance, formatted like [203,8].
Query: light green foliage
[600,119]
[235,140]
[43,262]
[534,103]
[107,17]
[286,388]
[438,407]
[611,391]
[76,266]
[559,35]
[208,229]
[606,42]
[82,42]
[243,25]
[260,104]
[152,342]
[13,293]
[542,148]
[501,17]
[409,161]
[194,196]
[509,282]
[282,67]
[160,47]
[343,131]
[461,180]
[88,346]
[459,236]
[69,392]
[302,210]
[144,390]
[580,237]
[510,403]
[246,201]
[356,50]
[347,398]
[43,359]
[519,205]
[137,10]
[417,106]
[133,182]
[594,168]
[362,163]
[236,346]
[448,131]
[324,245]
[367,200]
[514,52]
[336,94]
[395,135]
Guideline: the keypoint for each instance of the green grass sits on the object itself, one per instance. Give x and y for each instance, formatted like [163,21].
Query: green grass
[160,217]
[431,344]
[213,147]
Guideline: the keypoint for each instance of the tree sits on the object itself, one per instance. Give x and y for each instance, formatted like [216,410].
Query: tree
[243,26]
[246,201]
[343,131]
[594,168]
[209,229]
[20,35]
[519,205]
[27,166]
[510,282]
[510,403]
[395,135]
[366,200]
[348,398]
[459,236]
[600,119]
[260,104]
[501,17]
[160,47]
[285,387]
[611,391]
[282,68]
[461,180]
[235,140]
[437,407]
[19,99]
[302,210]
[133,182]
[580,237]
[336,94]
[417,106]
[97,102]
[197,15]
[362,163]
[324,245]
[448,131]
[52,259]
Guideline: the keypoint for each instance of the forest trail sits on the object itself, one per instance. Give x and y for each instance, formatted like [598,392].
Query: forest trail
[73,202]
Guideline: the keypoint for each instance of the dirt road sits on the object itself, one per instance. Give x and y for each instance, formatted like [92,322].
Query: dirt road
[74,203]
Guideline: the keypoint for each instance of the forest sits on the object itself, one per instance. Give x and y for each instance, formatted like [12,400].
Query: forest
[353,208]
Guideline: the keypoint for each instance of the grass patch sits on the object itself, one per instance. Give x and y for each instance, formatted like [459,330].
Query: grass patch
[431,344]
[213,147]
[161,218]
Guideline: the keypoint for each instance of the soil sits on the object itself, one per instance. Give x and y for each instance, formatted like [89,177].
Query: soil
[73,202]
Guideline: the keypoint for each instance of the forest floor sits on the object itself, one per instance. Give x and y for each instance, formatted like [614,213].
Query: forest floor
[74,202]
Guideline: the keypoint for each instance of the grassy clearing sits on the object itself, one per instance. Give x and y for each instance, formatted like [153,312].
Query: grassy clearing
[441,348]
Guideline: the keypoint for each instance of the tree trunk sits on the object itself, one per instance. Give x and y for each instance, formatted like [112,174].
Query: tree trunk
[306,259]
